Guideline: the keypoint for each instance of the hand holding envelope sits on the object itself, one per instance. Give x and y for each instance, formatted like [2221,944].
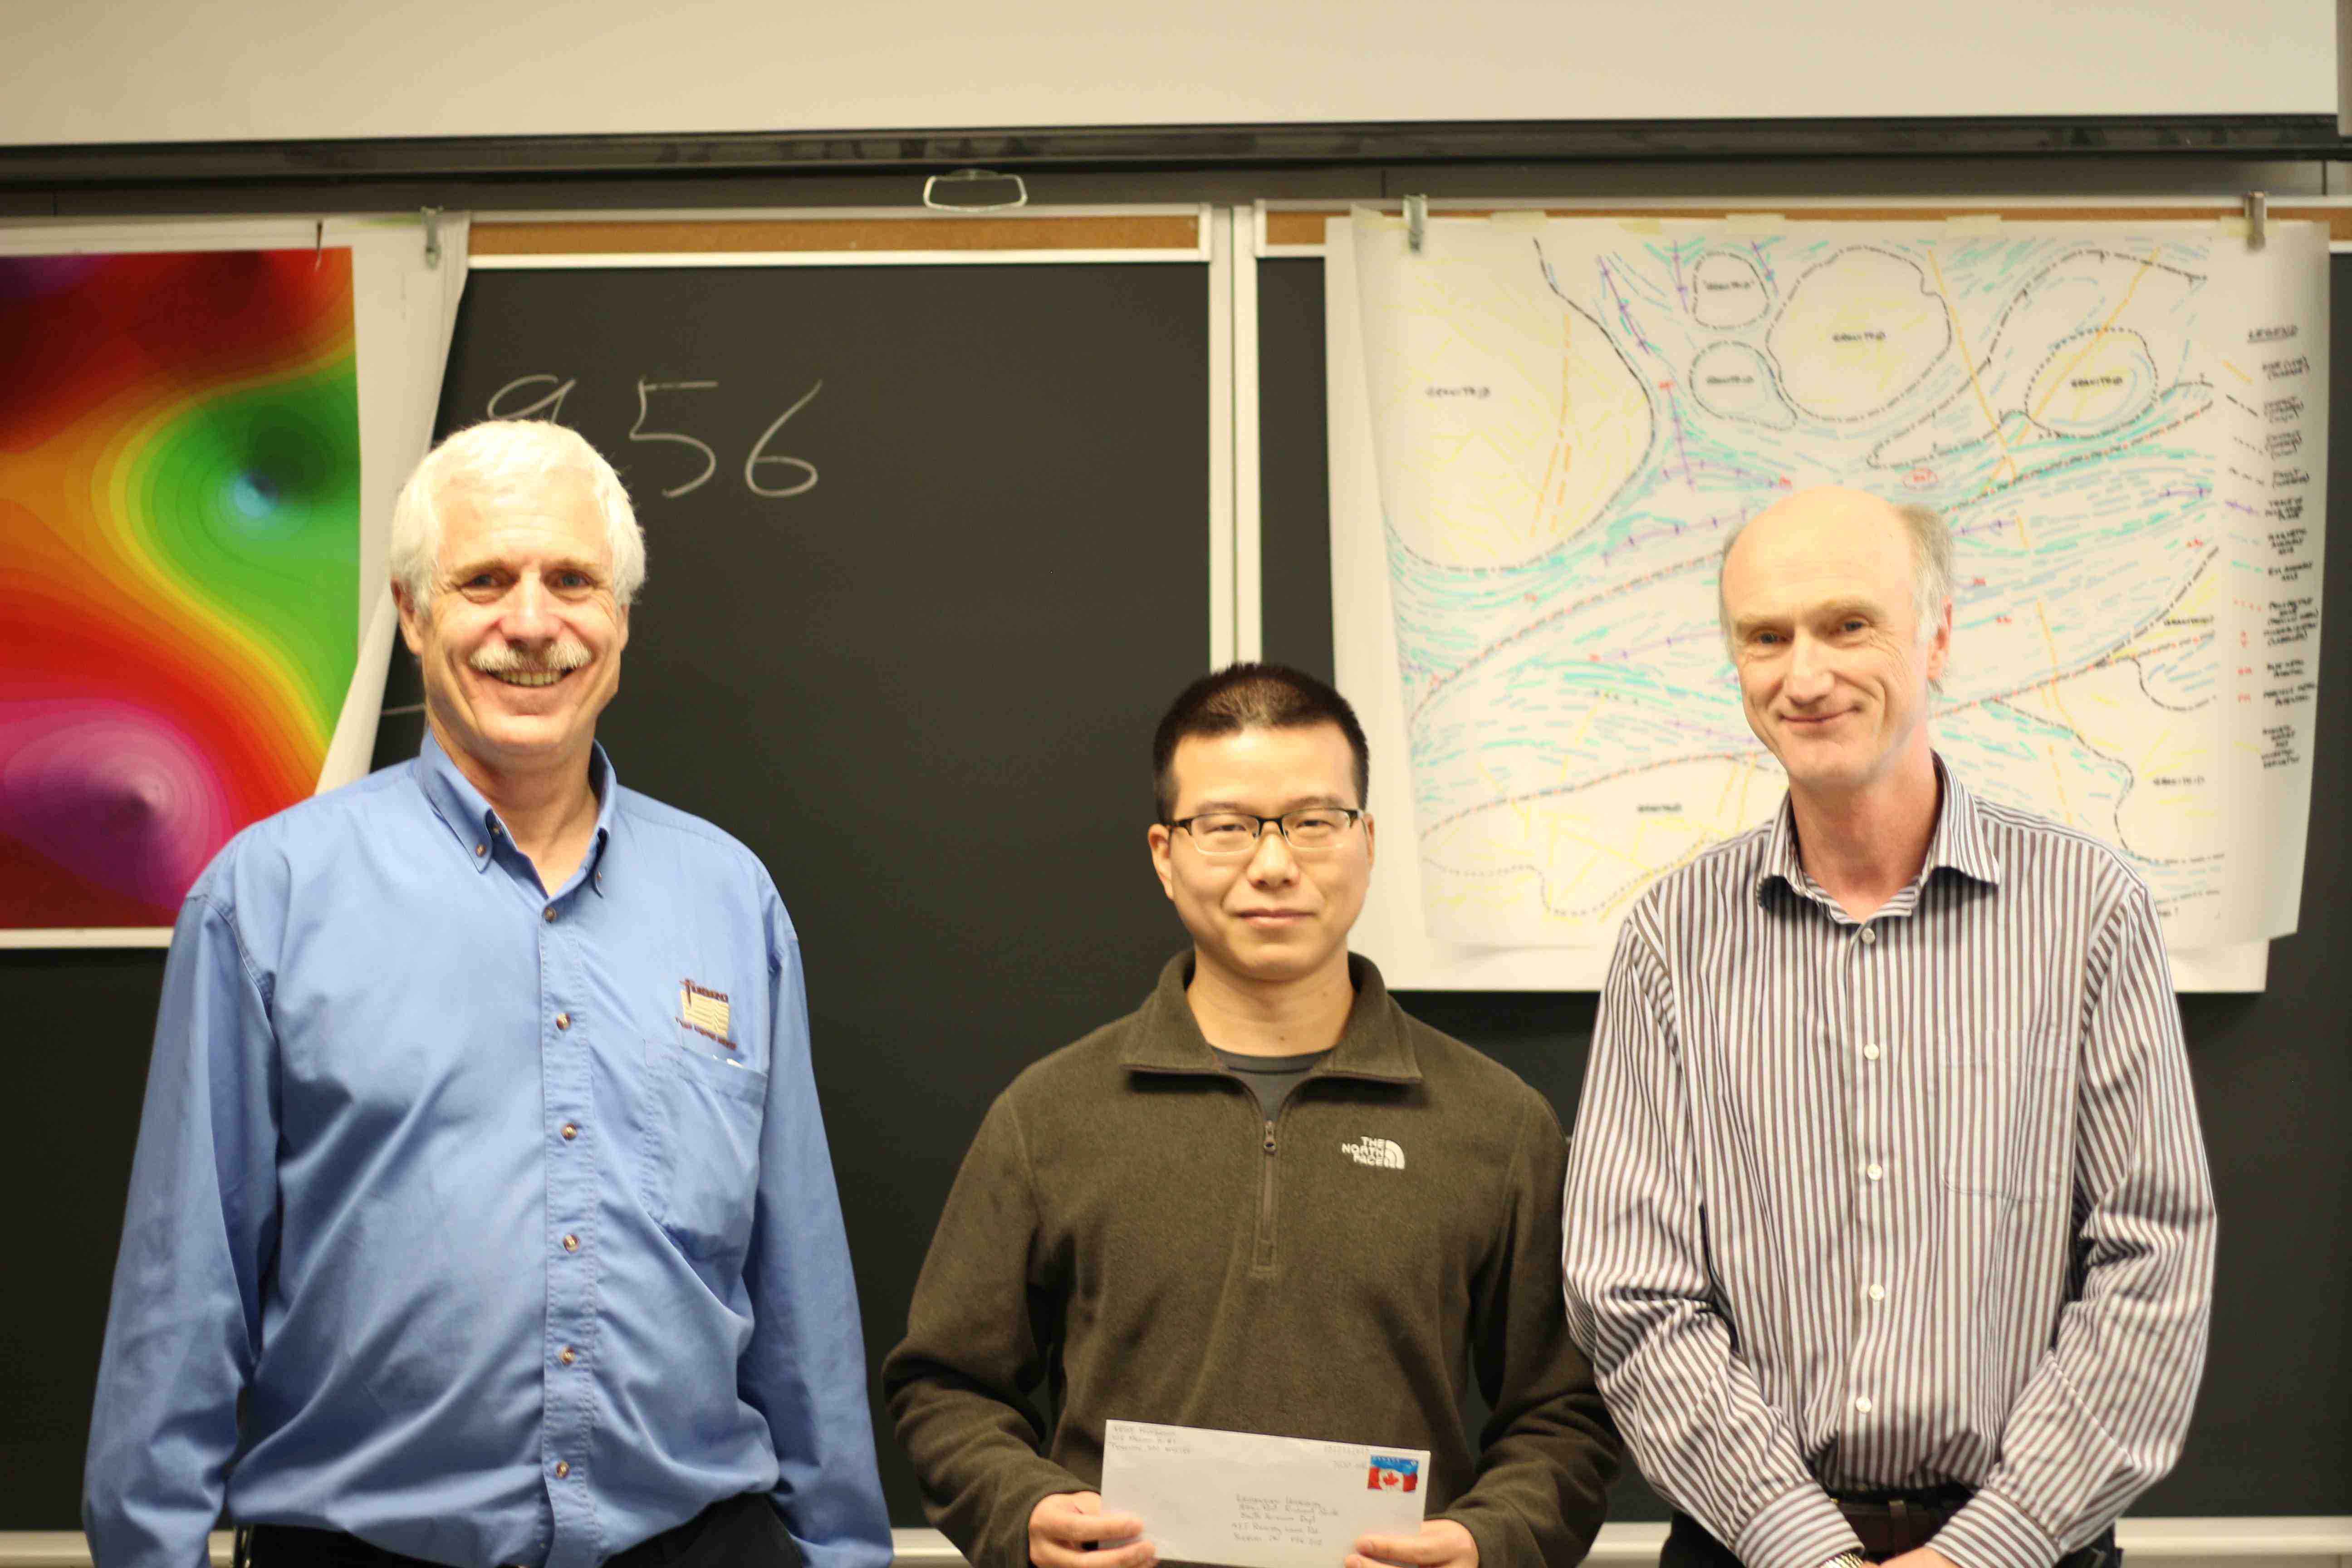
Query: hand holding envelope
[1441,1544]
[1240,1499]
[1071,1529]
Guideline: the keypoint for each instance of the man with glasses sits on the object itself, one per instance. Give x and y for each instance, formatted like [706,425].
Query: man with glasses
[1269,1200]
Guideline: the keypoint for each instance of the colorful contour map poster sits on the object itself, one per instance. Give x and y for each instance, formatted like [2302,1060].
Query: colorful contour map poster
[2124,427]
[180,555]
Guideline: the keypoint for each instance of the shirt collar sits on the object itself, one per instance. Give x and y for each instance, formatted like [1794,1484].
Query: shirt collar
[1372,1046]
[474,822]
[1959,844]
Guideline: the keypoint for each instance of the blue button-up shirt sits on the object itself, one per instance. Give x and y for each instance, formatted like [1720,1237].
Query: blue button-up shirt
[509,1214]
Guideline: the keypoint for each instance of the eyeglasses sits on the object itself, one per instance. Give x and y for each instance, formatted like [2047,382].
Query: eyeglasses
[1223,834]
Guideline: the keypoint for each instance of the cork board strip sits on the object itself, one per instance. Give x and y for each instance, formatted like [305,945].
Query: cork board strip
[1115,231]
[1305,227]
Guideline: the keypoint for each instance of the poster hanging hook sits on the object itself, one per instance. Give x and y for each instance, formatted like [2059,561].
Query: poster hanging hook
[1416,222]
[2257,220]
[432,216]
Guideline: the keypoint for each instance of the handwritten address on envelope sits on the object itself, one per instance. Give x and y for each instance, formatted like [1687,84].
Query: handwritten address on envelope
[1241,1500]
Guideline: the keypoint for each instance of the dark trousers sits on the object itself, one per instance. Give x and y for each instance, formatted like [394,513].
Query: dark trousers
[1688,1545]
[734,1532]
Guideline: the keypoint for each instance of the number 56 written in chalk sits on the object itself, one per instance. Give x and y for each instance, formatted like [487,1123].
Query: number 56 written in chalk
[765,473]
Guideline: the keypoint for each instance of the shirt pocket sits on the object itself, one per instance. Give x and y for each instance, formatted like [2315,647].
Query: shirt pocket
[703,1173]
[2004,1123]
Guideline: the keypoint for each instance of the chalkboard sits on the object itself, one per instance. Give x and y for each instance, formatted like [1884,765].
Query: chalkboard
[922,692]
[921,688]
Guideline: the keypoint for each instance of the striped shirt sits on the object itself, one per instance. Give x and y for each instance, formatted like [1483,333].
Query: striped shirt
[1896,1204]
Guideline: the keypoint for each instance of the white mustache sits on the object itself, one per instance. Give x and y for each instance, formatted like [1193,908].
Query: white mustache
[565,654]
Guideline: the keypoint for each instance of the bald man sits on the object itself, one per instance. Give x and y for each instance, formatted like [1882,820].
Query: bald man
[1889,1230]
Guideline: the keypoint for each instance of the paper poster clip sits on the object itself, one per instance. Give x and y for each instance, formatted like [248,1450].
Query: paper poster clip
[432,216]
[319,244]
[974,177]
[2257,214]
[1416,222]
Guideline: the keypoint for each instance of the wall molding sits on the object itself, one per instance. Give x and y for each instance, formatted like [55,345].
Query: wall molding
[2291,137]
[2279,1541]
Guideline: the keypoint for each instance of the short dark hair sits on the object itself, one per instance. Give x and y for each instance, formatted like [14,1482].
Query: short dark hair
[1251,697]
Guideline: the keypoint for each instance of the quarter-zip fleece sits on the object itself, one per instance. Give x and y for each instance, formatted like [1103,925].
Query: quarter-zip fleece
[1130,1239]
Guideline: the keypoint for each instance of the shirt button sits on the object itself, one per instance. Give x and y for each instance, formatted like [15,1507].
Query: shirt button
[570,1132]
[1868,935]
[548,913]
[566,1356]
[481,849]
[1862,1403]
[1878,1292]
[563,1021]
[1870,1053]
[564,1467]
[570,1244]
[1874,1172]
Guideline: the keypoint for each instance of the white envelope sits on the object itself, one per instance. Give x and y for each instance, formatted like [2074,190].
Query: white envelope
[1245,1500]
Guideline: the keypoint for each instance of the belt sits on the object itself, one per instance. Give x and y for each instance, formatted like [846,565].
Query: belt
[264,1544]
[1872,1514]
[740,1529]
[1891,1523]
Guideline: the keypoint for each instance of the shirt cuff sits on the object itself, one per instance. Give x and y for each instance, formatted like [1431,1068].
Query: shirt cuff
[1990,1531]
[1799,1528]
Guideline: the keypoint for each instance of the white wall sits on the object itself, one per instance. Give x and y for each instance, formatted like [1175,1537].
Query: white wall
[178,70]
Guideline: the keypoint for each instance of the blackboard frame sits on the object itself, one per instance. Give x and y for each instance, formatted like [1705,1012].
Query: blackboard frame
[376,160]
[2272,1434]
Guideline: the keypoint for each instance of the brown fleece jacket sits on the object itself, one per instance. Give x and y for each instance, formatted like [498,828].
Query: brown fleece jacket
[1128,1231]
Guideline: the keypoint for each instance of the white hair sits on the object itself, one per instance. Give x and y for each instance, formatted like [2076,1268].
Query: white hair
[1931,572]
[1931,566]
[502,458]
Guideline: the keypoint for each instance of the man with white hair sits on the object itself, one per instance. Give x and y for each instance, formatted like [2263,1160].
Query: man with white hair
[1889,1229]
[482,1212]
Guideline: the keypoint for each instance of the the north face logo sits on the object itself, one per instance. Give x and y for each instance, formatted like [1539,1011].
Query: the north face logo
[1375,1151]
